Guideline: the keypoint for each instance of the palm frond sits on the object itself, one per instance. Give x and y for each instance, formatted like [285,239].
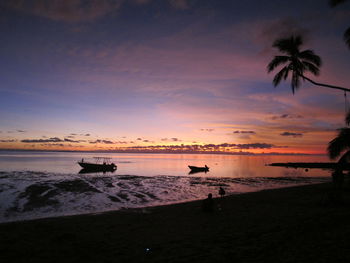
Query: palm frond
[295,81]
[347,118]
[334,3]
[277,60]
[310,56]
[288,45]
[347,37]
[311,67]
[339,143]
[283,73]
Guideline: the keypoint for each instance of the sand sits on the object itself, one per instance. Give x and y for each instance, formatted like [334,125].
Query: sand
[296,224]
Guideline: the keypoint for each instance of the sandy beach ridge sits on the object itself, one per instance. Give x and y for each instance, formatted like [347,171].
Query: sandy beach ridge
[295,224]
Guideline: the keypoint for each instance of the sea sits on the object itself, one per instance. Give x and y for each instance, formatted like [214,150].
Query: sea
[48,184]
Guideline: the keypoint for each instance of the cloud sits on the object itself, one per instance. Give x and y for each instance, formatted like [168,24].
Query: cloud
[53,139]
[11,140]
[53,144]
[139,139]
[102,141]
[208,147]
[66,10]
[208,130]
[245,132]
[21,131]
[286,116]
[87,134]
[292,134]
[69,140]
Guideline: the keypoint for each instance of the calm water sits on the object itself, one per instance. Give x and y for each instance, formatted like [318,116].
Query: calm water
[44,184]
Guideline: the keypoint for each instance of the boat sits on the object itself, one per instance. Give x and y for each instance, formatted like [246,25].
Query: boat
[101,164]
[196,169]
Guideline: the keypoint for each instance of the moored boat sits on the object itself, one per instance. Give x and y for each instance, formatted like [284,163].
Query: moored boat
[102,164]
[196,169]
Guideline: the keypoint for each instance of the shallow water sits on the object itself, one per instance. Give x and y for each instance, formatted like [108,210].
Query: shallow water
[37,184]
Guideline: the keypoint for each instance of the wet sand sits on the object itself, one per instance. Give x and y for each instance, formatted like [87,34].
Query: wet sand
[296,224]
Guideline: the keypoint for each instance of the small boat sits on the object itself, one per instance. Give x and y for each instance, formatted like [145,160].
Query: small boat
[102,164]
[196,169]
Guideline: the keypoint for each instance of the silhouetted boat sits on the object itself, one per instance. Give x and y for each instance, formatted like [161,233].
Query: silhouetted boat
[196,169]
[102,164]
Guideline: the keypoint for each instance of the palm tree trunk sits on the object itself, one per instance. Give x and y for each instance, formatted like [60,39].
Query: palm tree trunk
[324,85]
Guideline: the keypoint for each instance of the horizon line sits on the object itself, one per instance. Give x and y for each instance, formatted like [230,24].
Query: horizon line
[161,152]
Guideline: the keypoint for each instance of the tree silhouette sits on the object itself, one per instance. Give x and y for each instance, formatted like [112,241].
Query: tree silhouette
[296,63]
[341,143]
[334,3]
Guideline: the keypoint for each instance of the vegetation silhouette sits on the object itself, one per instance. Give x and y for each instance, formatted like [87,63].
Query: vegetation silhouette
[341,143]
[334,3]
[297,63]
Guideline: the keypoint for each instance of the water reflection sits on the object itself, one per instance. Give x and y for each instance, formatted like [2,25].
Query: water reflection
[160,164]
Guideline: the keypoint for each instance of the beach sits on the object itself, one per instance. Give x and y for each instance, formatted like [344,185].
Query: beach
[294,224]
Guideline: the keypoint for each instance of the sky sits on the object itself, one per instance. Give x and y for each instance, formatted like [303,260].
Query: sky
[167,75]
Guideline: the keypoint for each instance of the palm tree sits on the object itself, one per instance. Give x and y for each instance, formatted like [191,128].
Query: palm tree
[347,37]
[341,143]
[334,3]
[297,63]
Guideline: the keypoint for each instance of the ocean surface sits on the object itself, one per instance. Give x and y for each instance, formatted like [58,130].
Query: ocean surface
[47,184]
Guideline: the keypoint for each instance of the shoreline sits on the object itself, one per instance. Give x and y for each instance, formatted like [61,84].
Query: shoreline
[296,223]
[144,208]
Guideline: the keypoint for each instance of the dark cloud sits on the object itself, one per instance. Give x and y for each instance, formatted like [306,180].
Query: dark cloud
[53,139]
[286,116]
[121,142]
[175,139]
[11,140]
[87,134]
[292,134]
[53,144]
[73,134]
[70,136]
[102,141]
[139,139]
[69,140]
[208,130]
[206,147]
[21,131]
[145,140]
[245,132]
[107,142]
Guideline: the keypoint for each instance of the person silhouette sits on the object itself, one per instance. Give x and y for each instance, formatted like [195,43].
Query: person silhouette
[222,192]
[208,204]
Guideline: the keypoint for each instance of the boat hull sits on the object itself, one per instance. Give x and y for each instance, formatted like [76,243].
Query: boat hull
[97,167]
[196,169]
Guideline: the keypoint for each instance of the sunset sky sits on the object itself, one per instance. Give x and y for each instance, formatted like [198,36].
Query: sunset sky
[144,74]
